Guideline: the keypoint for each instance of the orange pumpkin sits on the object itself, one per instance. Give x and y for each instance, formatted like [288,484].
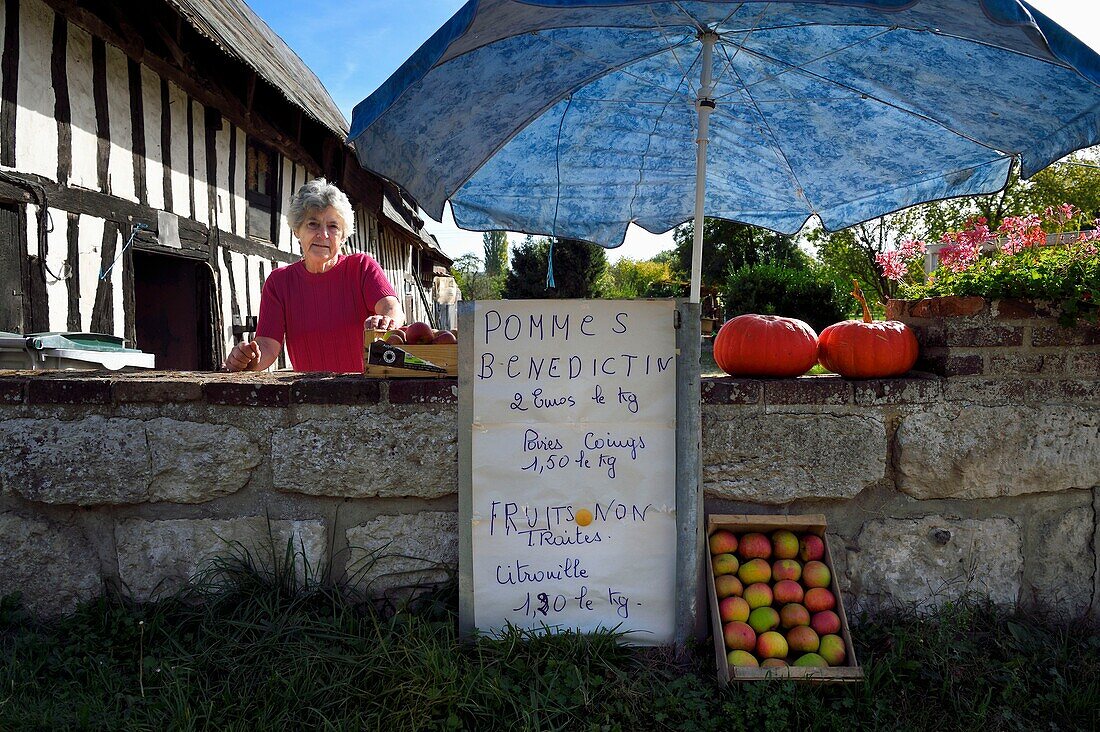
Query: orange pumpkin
[868,348]
[765,345]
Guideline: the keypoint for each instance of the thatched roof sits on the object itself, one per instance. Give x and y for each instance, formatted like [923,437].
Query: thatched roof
[238,31]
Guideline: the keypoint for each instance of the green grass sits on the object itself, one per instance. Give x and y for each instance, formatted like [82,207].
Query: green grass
[259,654]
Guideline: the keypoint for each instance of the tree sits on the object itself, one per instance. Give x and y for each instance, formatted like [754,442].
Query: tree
[472,282]
[495,244]
[729,245]
[579,268]
[628,278]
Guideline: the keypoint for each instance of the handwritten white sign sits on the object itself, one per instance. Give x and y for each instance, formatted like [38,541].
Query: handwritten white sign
[574,466]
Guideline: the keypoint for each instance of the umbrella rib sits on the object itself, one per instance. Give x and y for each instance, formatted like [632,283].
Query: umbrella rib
[776,146]
[671,47]
[867,95]
[609,68]
[792,67]
[729,59]
[645,156]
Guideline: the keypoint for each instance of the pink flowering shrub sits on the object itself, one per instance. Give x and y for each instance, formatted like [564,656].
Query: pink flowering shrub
[1026,256]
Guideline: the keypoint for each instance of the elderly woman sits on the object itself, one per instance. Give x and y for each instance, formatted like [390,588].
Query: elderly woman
[319,305]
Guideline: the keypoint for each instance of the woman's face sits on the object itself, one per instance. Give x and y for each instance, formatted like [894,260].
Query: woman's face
[321,234]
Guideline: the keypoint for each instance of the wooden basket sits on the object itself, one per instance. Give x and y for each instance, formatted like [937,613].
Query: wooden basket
[444,356]
[813,524]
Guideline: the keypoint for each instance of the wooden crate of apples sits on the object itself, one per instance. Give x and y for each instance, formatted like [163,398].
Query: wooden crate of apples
[421,340]
[776,609]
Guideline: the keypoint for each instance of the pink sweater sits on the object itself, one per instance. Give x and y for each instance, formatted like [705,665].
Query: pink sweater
[320,316]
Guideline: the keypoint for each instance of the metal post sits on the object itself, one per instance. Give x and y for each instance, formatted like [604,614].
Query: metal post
[704,105]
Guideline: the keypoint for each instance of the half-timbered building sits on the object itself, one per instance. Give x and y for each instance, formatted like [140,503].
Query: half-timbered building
[148,149]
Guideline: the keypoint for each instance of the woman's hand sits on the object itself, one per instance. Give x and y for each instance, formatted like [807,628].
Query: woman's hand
[380,322]
[243,357]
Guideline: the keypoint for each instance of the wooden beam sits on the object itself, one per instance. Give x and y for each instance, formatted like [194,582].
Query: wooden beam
[193,235]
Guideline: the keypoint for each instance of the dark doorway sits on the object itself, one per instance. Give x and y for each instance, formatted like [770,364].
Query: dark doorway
[172,310]
[13,251]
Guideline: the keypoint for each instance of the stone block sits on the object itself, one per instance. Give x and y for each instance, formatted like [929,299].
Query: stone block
[422,391]
[157,390]
[403,552]
[247,393]
[159,558]
[1019,309]
[51,564]
[337,389]
[730,390]
[1055,335]
[928,561]
[193,462]
[808,390]
[384,454]
[779,458]
[974,451]
[1021,362]
[1059,562]
[878,392]
[13,390]
[115,460]
[1084,363]
[68,390]
[983,336]
[949,306]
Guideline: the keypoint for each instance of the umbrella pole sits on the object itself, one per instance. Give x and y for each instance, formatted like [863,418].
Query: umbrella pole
[704,105]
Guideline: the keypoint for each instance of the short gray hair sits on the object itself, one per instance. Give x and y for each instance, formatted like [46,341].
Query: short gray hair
[319,194]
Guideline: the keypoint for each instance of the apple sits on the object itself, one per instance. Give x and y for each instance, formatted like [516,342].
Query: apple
[395,338]
[420,334]
[786,569]
[733,608]
[758,595]
[755,546]
[773,663]
[832,649]
[813,660]
[724,564]
[818,599]
[723,542]
[444,338]
[786,591]
[755,570]
[727,585]
[785,544]
[793,615]
[739,636]
[742,658]
[825,622]
[810,547]
[803,639]
[771,645]
[763,619]
[815,574]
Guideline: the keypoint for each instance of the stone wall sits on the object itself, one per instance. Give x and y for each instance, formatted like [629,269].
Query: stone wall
[933,486]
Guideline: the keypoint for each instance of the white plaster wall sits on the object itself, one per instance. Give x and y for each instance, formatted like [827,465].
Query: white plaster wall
[91,239]
[154,156]
[181,192]
[223,219]
[202,208]
[240,168]
[78,68]
[35,126]
[57,290]
[121,168]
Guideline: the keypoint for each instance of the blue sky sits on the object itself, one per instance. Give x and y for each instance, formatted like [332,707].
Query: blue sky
[354,45]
